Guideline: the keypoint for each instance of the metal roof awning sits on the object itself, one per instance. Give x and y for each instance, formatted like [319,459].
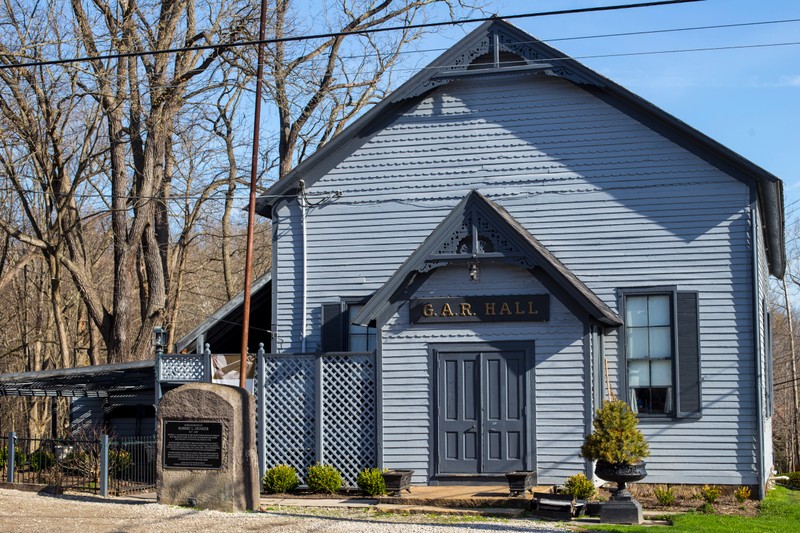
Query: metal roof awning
[89,381]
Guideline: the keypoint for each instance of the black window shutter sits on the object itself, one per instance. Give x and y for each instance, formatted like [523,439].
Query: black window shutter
[332,338]
[688,356]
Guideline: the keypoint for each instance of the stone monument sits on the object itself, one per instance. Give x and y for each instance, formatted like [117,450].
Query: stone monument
[207,448]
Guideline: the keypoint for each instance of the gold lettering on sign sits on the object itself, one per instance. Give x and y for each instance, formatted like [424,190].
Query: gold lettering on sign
[490,308]
[531,310]
[446,311]
[427,310]
[505,309]
[518,310]
[466,309]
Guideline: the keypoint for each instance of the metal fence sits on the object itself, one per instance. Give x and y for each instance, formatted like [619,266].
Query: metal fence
[98,466]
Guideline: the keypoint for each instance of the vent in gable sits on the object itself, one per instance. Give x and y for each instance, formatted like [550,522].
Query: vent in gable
[504,59]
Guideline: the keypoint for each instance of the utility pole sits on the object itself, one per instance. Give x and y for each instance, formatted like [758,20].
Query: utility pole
[251,213]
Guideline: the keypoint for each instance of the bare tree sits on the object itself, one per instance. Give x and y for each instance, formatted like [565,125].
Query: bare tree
[317,88]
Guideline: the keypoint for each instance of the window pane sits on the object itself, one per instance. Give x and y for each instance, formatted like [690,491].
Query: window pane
[660,401]
[359,338]
[661,373]
[352,311]
[658,310]
[636,311]
[660,342]
[637,343]
[638,374]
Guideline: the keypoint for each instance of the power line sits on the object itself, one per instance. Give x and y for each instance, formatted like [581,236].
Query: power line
[329,35]
[785,382]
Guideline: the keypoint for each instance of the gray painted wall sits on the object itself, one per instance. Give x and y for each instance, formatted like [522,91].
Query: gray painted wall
[559,385]
[619,204]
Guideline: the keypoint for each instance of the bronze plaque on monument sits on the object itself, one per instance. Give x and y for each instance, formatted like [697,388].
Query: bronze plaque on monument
[190,444]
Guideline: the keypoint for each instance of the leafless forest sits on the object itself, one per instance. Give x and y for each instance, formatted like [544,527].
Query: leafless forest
[125,176]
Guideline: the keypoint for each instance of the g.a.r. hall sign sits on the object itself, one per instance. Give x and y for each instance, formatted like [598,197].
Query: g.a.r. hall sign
[513,308]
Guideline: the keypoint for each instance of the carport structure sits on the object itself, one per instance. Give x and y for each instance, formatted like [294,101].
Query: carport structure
[102,394]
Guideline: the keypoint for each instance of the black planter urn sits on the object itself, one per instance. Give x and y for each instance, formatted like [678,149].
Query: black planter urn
[621,474]
[397,481]
[622,508]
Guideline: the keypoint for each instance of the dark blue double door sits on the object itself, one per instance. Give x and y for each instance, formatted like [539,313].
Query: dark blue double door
[483,424]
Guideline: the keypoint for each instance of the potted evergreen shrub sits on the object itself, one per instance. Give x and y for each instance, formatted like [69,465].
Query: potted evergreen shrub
[618,447]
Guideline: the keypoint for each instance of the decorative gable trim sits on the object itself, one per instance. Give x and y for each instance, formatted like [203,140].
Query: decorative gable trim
[478,229]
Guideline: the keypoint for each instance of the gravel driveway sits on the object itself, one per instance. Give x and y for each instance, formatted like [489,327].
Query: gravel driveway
[27,511]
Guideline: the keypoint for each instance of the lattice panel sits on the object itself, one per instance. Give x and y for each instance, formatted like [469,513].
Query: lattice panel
[183,367]
[290,412]
[349,416]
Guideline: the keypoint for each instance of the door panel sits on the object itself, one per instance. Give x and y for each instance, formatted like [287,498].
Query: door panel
[503,381]
[459,442]
[481,422]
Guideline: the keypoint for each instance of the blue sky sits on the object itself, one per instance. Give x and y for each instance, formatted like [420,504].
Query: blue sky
[746,99]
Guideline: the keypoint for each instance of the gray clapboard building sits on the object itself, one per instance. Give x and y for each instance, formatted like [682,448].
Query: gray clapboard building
[514,238]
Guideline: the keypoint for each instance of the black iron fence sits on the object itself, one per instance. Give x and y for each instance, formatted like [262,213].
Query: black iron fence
[99,466]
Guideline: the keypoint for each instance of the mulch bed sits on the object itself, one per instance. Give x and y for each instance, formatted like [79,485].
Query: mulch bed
[688,499]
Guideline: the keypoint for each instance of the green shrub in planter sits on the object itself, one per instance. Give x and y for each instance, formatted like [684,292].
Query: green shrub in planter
[280,479]
[615,438]
[579,487]
[324,479]
[371,483]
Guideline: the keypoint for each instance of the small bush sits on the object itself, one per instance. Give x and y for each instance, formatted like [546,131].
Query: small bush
[280,479]
[742,493]
[794,480]
[706,508]
[710,494]
[19,457]
[119,460]
[371,482]
[324,479]
[579,487]
[665,495]
[41,459]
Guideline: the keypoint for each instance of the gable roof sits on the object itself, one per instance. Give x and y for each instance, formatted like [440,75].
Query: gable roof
[232,307]
[541,58]
[511,243]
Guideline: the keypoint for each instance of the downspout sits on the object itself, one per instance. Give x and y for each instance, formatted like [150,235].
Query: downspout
[304,300]
[757,346]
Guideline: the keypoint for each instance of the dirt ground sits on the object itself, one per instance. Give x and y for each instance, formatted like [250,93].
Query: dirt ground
[688,499]
[28,511]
